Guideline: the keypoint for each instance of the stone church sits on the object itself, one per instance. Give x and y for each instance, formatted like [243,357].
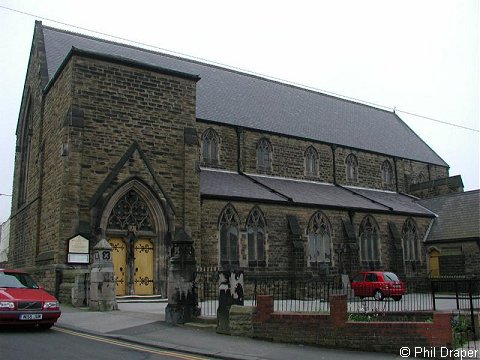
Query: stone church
[130,145]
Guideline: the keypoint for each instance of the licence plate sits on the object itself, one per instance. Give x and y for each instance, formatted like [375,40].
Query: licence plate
[31,317]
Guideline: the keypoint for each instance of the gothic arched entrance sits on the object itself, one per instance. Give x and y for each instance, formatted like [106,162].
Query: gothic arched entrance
[134,225]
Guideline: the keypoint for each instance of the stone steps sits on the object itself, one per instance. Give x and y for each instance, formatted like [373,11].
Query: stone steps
[141,299]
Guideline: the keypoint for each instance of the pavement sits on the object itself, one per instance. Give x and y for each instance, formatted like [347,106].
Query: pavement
[144,323]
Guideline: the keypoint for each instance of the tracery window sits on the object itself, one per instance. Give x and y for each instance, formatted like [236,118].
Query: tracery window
[25,152]
[311,161]
[410,241]
[387,173]
[351,167]
[131,211]
[210,141]
[229,225]
[256,238]
[369,240]
[319,239]
[264,156]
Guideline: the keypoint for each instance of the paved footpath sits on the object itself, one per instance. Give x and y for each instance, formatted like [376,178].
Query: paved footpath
[144,323]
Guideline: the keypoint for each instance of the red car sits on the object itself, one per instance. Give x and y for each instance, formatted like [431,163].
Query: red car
[379,284]
[23,302]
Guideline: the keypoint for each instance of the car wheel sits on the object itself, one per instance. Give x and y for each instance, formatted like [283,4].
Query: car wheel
[397,298]
[378,295]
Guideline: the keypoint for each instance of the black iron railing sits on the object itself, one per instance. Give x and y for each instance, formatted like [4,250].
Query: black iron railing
[312,295]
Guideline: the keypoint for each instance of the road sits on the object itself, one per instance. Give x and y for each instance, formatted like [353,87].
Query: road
[61,344]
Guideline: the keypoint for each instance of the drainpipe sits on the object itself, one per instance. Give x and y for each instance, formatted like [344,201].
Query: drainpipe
[239,131]
[396,173]
[334,147]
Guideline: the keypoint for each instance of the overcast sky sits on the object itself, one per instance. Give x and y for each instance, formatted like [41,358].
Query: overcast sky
[418,56]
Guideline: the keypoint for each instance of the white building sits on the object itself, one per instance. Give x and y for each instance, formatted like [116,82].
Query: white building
[4,241]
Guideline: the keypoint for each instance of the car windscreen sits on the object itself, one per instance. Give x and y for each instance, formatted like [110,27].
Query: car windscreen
[17,280]
[390,277]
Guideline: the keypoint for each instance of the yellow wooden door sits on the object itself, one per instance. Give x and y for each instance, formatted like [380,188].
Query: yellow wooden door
[119,258]
[143,267]
[434,263]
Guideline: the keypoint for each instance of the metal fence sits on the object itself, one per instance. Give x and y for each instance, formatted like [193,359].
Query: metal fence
[312,295]
[423,296]
[206,283]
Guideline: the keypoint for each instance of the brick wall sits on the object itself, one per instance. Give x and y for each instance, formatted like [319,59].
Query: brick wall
[334,329]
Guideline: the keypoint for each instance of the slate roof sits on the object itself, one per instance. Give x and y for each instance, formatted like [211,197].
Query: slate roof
[395,201]
[231,97]
[314,193]
[231,185]
[215,183]
[458,216]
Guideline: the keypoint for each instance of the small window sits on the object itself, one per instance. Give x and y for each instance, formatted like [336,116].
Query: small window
[210,141]
[264,156]
[351,168]
[387,174]
[311,161]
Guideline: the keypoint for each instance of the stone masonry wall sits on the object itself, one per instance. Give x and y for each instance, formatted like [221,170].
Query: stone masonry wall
[54,178]
[288,160]
[279,249]
[122,105]
[25,222]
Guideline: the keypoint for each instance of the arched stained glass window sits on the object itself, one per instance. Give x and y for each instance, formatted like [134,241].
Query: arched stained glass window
[351,164]
[131,210]
[229,234]
[264,156]
[369,240]
[256,238]
[311,161]
[319,239]
[410,241]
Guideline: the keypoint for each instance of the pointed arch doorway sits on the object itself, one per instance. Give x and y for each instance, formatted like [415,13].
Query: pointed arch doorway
[134,224]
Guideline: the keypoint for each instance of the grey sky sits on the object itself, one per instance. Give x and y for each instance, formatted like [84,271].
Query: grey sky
[418,56]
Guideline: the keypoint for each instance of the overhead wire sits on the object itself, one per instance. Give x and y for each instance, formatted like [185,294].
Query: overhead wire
[139,43]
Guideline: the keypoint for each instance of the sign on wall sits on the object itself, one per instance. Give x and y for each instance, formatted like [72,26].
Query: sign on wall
[78,250]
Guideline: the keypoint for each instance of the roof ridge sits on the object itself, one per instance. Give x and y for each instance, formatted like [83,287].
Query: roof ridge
[219,66]
[238,82]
